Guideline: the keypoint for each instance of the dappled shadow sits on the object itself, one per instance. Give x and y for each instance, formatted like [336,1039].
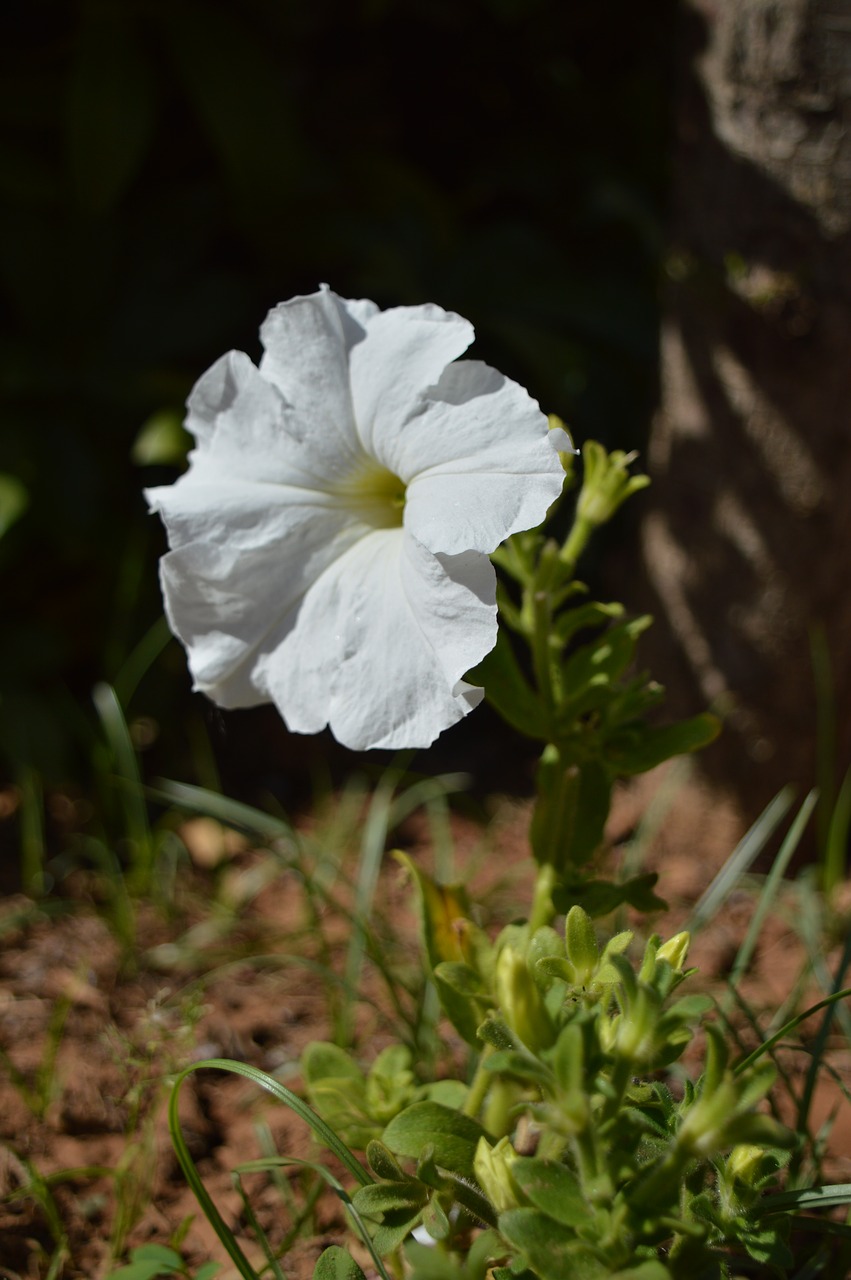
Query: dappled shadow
[747,535]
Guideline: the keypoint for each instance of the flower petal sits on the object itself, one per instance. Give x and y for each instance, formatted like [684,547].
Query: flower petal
[381,643]
[243,556]
[245,428]
[307,343]
[404,353]
[478,462]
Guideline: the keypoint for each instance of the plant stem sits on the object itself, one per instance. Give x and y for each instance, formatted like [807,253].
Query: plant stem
[577,540]
[479,1087]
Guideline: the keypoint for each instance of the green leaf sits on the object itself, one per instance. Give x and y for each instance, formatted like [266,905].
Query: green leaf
[455,1136]
[599,897]
[584,616]
[462,978]
[551,1250]
[323,1061]
[385,1197]
[337,1264]
[520,1065]
[441,906]
[508,691]
[428,1263]
[464,1013]
[495,1032]
[644,1271]
[656,745]
[593,804]
[382,1162]
[207,1270]
[149,1261]
[434,1220]
[552,1188]
[139,1271]
[160,1253]
[395,1229]
[450,1093]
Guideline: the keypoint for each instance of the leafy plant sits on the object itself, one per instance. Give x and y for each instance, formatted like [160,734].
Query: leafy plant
[576,1142]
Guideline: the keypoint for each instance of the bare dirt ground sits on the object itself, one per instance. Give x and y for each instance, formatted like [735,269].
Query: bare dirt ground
[66,1127]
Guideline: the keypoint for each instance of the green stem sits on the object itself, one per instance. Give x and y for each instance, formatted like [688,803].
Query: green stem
[541,652]
[577,540]
[554,815]
[479,1087]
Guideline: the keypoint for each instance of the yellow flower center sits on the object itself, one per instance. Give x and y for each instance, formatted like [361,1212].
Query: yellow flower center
[374,494]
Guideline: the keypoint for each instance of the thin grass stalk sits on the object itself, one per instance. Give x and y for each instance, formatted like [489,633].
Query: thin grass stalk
[187,1165]
[835,852]
[810,918]
[242,817]
[770,888]
[140,660]
[753,1022]
[257,1166]
[820,1043]
[125,763]
[767,1045]
[440,833]
[373,844]
[298,1214]
[741,859]
[259,1234]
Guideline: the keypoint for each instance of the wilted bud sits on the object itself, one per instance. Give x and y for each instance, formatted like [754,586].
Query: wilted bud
[492,1167]
[521,1001]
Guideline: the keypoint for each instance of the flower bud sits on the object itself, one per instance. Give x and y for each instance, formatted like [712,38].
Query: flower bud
[492,1168]
[744,1163]
[581,943]
[521,1001]
[607,482]
[675,950]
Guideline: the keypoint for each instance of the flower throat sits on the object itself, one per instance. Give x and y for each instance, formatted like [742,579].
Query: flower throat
[375,495]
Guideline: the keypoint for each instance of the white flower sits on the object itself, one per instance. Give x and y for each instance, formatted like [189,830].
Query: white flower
[329,541]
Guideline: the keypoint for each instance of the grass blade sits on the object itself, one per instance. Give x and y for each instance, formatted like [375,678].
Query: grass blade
[325,1135]
[742,857]
[769,891]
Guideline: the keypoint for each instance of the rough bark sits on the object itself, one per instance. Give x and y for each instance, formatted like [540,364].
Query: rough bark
[747,536]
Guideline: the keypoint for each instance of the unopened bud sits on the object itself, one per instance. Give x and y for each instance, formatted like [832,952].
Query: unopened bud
[492,1167]
[675,950]
[521,1001]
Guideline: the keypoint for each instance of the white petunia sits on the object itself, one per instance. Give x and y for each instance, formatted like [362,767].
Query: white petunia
[330,539]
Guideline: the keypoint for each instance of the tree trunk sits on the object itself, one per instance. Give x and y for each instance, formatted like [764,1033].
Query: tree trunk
[747,537]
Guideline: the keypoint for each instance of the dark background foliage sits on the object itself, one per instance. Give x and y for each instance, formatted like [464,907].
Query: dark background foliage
[172,168]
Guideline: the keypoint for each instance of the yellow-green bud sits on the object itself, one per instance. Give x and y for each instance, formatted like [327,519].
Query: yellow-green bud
[521,1002]
[492,1168]
[581,945]
[744,1161]
[675,950]
[607,482]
